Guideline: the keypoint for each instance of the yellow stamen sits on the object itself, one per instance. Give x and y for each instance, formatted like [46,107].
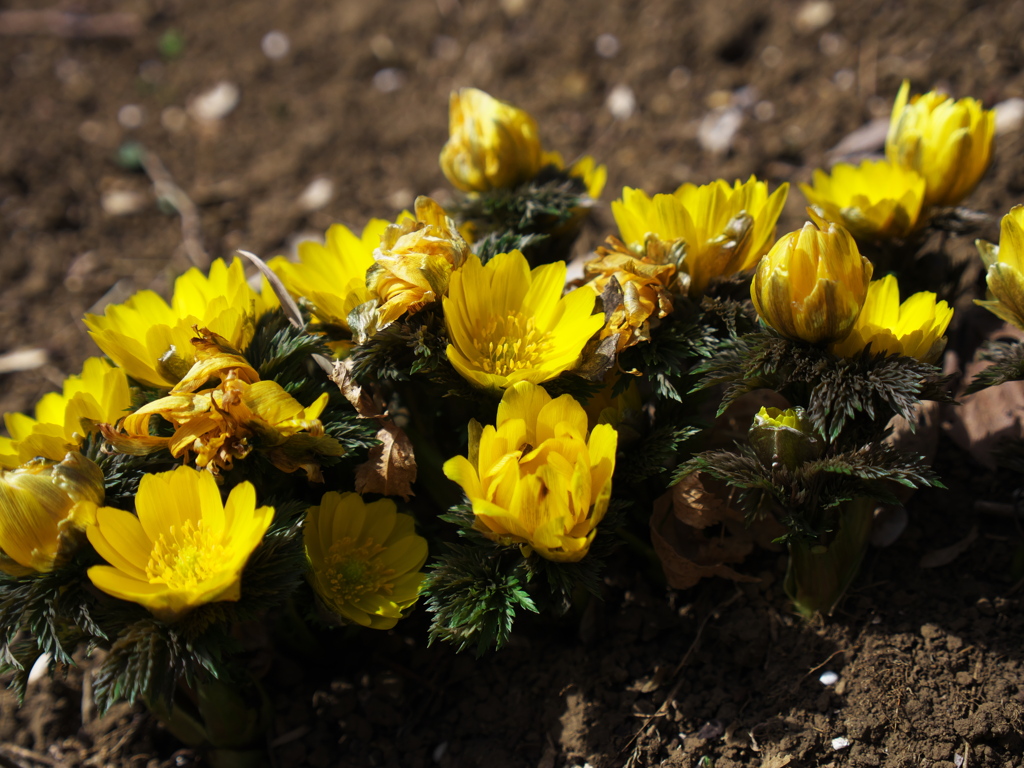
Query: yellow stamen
[352,571]
[189,558]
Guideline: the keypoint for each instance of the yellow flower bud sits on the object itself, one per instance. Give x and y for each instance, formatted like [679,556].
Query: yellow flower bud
[1005,264]
[491,144]
[783,436]
[949,142]
[43,505]
[877,200]
[811,284]
[911,329]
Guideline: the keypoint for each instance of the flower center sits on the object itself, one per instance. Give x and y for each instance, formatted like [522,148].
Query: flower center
[513,343]
[352,571]
[188,558]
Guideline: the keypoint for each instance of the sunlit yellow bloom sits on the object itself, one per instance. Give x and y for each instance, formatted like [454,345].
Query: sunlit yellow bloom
[949,142]
[224,423]
[876,200]
[726,229]
[332,276]
[1005,263]
[98,395]
[44,507]
[491,144]
[812,284]
[644,292]
[185,548]
[151,340]
[535,478]
[911,329]
[364,559]
[508,324]
[414,262]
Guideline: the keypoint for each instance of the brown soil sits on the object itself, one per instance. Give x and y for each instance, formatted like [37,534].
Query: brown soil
[930,661]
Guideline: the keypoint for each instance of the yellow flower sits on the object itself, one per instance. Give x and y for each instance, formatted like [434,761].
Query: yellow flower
[1005,263]
[508,324]
[725,229]
[99,395]
[812,284]
[535,478]
[644,292]
[151,340]
[44,506]
[364,559]
[414,262]
[185,548]
[912,329]
[491,144]
[948,142]
[332,276]
[226,422]
[876,200]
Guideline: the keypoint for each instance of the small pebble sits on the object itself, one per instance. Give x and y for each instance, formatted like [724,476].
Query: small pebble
[388,80]
[606,45]
[130,116]
[275,45]
[1009,115]
[174,119]
[814,15]
[828,678]
[216,103]
[122,202]
[621,102]
[717,129]
[23,360]
[840,742]
[318,194]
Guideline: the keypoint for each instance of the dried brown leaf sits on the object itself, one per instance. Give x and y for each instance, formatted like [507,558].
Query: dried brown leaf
[986,418]
[940,557]
[687,553]
[391,467]
[366,405]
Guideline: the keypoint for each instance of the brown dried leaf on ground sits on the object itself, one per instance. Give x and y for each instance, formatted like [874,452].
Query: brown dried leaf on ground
[986,418]
[697,533]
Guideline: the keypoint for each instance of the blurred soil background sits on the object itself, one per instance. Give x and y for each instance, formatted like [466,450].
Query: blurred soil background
[266,121]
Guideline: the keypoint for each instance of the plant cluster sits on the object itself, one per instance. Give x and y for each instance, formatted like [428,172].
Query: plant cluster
[433,409]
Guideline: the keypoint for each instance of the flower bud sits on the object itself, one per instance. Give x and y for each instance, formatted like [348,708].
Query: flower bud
[783,437]
[44,505]
[811,284]
[491,144]
[1005,263]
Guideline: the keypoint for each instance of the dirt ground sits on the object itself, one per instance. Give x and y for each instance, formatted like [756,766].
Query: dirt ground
[929,661]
